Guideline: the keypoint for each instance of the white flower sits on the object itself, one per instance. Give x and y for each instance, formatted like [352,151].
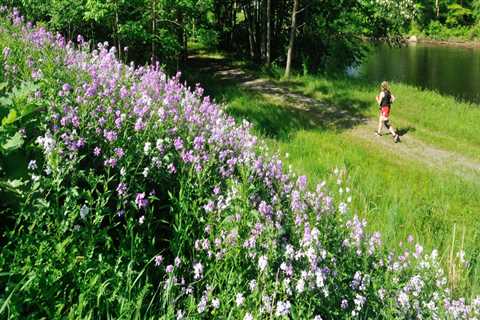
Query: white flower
[239,299]
[248,316]
[47,142]
[283,308]
[216,303]
[252,285]
[32,165]
[84,211]
[342,207]
[159,144]
[300,286]
[262,263]
[403,300]
[180,314]
[202,305]
[177,261]
[198,271]
[145,172]
[147,147]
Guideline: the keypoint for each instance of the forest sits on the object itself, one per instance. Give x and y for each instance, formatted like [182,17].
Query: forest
[325,33]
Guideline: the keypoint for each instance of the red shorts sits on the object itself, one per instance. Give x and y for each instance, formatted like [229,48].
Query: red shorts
[385,111]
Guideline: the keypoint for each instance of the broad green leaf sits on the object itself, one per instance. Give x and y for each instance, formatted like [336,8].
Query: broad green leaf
[14,184]
[10,118]
[5,101]
[14,142]
[11,185]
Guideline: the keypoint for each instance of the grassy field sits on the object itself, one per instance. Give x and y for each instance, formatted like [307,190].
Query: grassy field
[397,194]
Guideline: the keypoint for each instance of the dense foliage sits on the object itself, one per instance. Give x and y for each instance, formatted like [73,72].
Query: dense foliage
[329,33]
[446,19]
[144,200]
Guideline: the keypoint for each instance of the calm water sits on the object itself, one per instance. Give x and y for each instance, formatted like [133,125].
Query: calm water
[448,70]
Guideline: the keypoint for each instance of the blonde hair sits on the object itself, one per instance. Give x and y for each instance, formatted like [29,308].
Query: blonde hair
[384,86]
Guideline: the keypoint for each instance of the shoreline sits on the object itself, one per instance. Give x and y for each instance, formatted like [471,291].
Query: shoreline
[448,43]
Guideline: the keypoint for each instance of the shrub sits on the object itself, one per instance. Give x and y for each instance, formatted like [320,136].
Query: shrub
[207,38]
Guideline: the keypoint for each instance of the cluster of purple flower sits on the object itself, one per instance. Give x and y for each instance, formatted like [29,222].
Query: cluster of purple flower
[139,123]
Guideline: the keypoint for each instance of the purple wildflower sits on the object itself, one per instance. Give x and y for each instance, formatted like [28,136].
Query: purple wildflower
[6,52]
[66,87]
[302,182]
[111,162]
[140,200]
[158,260]
[178,143]
[121,189]
[110,135]
[119,152]
[97,151]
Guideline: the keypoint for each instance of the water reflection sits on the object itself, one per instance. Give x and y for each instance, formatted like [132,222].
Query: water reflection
[448,70]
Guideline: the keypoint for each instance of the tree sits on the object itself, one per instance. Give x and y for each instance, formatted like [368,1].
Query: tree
[291,42]
[269,32]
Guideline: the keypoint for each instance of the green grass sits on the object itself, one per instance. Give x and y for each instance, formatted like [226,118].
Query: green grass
[399,196]
[438,120]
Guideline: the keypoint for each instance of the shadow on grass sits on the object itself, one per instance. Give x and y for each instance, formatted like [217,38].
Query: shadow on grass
[276,109]
[403,131]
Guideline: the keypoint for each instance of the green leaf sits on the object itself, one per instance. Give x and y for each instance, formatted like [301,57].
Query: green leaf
[14,184]
[4,101]
[10,118]
[11,185]
[14,142]
[25,90]
[3,85]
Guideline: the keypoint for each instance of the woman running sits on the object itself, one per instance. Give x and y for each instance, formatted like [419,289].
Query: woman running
[385,100]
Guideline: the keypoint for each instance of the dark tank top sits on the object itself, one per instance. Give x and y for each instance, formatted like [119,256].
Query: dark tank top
[386,100]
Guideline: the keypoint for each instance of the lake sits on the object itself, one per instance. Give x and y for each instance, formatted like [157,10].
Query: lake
[449,70]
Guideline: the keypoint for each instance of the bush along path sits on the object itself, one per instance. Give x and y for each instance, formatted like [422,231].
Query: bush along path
[144,200]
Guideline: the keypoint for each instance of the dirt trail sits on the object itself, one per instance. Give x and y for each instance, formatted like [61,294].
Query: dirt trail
[361,127]
[429,155]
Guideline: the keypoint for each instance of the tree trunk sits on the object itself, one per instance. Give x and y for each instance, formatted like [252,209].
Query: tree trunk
[117,34]
[269,6]
[251,39]
[291,42]
[262,26]
[437,9]
[154,29]
[181,38]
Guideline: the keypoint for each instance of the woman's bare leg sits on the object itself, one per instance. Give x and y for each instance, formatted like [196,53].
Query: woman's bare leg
[380,124]
[392,131]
